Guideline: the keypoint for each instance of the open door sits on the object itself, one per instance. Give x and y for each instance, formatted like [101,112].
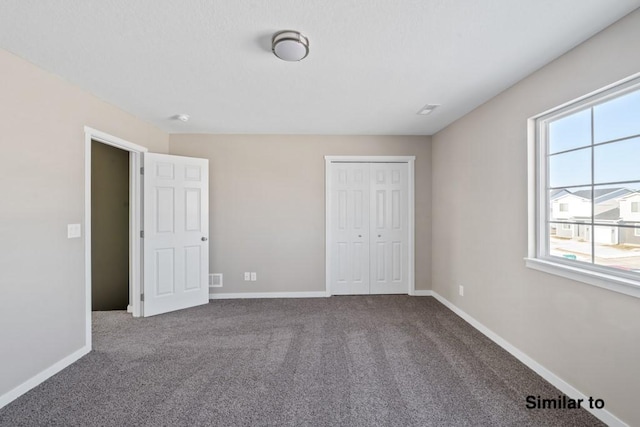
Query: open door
[176,231]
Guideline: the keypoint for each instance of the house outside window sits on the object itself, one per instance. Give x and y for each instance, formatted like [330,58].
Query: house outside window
[584,175]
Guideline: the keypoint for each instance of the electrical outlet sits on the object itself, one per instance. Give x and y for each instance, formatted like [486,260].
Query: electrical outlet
[247,276]
[254,277]
[461,290]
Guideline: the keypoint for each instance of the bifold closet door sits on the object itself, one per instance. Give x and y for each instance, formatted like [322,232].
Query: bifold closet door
[369,228]
[350,228]
[389,228]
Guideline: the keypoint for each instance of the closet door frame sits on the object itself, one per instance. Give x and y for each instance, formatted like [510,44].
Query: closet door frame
[410,161]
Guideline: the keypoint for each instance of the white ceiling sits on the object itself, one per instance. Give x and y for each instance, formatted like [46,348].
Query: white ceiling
[373,63]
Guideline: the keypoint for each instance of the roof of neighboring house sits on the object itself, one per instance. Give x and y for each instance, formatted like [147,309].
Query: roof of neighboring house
[603,194]
[631,194]
[611,214]
[556,194]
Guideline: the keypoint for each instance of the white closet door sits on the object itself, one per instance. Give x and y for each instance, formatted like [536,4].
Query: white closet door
[350,229]
[369,249]
[389,228]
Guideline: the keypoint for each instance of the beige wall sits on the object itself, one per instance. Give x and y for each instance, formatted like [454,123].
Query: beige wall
[588,336]
[109,227]
[42,291]
[267,208]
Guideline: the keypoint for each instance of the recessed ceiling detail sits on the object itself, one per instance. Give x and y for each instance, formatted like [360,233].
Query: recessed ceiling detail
[427,109]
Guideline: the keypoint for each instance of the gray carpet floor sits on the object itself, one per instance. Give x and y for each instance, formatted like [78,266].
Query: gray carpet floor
[339,361]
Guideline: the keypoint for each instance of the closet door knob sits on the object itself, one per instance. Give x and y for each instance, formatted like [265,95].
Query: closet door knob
[204,239]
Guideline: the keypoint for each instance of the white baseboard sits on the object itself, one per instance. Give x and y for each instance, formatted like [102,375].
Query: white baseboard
[18,391]
[244,295]
[602,414]
[318,294]
[129,308]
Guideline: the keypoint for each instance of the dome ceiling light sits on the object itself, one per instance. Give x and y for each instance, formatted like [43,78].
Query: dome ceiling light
[290,45]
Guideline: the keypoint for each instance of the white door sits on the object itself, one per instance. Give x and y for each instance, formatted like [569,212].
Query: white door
[350,219]
[176,230]
[369,228]
[389,221]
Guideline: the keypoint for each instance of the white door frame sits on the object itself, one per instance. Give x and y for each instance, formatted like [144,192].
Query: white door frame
[135,220]
[410,161]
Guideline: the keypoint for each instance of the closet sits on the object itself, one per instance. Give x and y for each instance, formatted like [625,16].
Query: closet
[370,227]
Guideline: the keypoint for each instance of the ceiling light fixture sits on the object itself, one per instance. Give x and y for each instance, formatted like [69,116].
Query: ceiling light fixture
[427,109]
[182,117]
[290,45]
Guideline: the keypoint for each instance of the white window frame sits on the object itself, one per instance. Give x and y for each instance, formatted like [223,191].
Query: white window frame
[565,205]
[635,207]
[538,209]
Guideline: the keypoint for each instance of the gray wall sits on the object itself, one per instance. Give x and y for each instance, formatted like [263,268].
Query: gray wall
[42,286]
[588,336]
[267,204]
[109,227]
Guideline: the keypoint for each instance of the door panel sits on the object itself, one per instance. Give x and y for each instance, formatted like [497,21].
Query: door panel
[350,222]
[389,259]
[175,246]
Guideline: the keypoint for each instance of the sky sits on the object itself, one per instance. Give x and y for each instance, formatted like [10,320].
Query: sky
[616,161]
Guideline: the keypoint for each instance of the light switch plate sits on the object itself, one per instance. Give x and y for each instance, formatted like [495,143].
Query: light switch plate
[74,231]
[254,277]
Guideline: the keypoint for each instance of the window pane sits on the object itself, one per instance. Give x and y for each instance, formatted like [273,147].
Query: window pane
[570,204]
[617,247]
[573,168]
[571,241]
[614,203]
[570,132]
[617,118]
[618,161]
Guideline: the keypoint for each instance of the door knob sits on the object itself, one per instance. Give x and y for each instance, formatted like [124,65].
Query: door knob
[359,235]
[204,239]
[379,235]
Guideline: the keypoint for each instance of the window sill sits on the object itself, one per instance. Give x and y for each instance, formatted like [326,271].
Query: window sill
[601,280]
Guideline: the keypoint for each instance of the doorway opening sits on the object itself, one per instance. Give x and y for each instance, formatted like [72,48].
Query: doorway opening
[109,227]
[133,154]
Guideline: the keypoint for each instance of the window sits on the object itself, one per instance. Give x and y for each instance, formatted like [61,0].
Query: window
[636,232]
[587,152]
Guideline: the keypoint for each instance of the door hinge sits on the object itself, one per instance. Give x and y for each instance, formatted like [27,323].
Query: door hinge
[142,297]
[142,234]
[141,171]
